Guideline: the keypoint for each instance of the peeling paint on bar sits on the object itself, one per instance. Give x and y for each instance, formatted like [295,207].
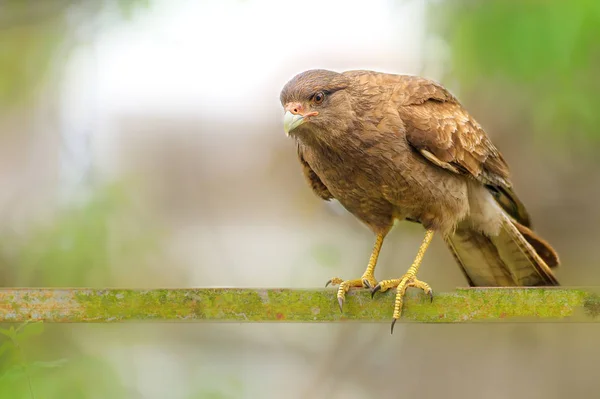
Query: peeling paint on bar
[85,305]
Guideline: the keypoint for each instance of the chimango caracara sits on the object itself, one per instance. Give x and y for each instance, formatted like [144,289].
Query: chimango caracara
[396,147]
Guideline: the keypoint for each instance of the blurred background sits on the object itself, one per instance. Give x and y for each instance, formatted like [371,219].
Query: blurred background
[141,145]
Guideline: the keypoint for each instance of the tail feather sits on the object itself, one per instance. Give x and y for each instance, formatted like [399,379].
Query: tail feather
[541,246]
[506,259]
[512,205]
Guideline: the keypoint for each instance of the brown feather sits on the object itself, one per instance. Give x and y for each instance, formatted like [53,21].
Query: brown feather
[391,147]
[444,129]
[511,204]
[503,260]
[541,246]
[313,180]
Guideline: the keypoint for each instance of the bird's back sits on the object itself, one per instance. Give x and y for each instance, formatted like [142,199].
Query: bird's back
[402,147]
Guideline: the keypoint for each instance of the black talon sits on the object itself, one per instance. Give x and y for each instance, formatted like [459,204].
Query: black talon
[366,283]
[430,296]
[375,289]
[392,329]
[329,282]
[341,303]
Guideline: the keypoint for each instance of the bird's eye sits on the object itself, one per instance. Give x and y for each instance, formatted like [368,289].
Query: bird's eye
[319,97]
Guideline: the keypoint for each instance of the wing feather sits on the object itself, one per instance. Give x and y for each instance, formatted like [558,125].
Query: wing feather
[313,180]
[443,132]
[448,132]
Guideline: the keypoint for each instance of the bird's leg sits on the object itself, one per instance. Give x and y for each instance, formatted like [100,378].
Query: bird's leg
[368,278]
[408,280]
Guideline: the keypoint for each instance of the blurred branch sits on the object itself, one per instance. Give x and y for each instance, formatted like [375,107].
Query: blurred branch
[293,305]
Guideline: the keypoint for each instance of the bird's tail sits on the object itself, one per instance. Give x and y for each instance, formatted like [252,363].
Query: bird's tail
[514,257]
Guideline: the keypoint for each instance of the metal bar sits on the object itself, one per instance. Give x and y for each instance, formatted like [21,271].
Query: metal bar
[85,305]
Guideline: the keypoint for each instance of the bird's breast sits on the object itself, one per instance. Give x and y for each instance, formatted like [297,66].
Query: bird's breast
[383,182]
[362,181]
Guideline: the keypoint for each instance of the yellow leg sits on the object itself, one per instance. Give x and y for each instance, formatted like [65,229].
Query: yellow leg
[368,278]
[408,280]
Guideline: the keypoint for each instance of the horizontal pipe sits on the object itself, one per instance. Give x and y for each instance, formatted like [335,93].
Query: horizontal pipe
[106,305]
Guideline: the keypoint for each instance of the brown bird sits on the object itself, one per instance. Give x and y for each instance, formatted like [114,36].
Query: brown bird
[398,147]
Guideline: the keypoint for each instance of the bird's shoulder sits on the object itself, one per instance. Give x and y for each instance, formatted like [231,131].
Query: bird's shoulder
[401,89]
[437,125]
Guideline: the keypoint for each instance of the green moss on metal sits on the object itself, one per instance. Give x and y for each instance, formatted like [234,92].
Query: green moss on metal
[477,304]
[290,305]
[592,305]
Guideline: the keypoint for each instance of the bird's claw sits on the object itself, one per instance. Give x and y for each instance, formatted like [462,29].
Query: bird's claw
[428,293]
[334,281]
[366,281]
[375,289]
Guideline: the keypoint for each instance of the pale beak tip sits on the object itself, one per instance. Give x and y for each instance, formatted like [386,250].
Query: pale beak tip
[291,121]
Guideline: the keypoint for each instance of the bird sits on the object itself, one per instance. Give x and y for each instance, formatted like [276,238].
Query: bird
[392,147]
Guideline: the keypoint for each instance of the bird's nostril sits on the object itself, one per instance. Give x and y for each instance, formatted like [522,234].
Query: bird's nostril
[295,110]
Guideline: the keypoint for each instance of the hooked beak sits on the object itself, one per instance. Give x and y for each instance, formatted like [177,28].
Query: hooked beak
[295,117]
[291,121]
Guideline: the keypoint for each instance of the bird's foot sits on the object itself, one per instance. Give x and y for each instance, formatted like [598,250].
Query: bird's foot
[366,281]
[401,284]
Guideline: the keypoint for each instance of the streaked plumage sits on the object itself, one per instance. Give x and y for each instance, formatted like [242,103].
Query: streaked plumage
[402,147]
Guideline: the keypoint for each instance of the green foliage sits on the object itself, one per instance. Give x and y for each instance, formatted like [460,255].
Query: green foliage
[548,50]
[15,337]
[17,367]
[80,377]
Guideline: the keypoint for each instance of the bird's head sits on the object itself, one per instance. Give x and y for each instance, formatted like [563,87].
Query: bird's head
[316,102]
